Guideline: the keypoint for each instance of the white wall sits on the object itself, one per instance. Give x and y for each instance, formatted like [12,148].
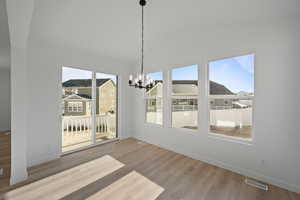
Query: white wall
[36,88]
[19,19]
[44,96]
[4,99]
[274,154]
[36,80]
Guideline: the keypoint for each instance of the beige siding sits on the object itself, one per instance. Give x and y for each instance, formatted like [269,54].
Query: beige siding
[86,91]
[85,111]
[156,91]
[106,97]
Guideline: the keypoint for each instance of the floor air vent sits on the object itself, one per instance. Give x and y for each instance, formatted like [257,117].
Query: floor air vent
[256,184]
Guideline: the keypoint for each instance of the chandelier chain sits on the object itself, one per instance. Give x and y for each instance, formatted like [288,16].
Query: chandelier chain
[142,64]
[142,81]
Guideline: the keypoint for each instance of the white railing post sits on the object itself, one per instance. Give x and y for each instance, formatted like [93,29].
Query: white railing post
[71,127]
[107,123]
[80,126]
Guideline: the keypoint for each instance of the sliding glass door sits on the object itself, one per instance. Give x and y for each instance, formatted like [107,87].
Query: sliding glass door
[89,108]
[106,106]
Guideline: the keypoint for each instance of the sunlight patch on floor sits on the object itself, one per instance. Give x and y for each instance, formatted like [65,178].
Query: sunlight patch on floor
[131,186]
[64,183]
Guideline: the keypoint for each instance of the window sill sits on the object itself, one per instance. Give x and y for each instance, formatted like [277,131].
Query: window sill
[186,129]
[230,139]
[154,124]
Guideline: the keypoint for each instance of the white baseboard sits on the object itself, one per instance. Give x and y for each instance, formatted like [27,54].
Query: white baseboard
[6,131]
[236,169]
[18,177]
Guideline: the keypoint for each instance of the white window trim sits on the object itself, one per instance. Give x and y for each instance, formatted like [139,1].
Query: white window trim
[145,98]
[75,107]
[203,103]
[207,105]
[118,110]
[170,100]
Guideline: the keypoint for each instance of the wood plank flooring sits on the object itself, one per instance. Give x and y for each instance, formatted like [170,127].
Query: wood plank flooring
[147,172]
[5,158]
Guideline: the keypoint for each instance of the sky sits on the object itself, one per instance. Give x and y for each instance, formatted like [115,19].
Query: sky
[237,73]
[185,73]
[73,73]
[182,73]
[156,76]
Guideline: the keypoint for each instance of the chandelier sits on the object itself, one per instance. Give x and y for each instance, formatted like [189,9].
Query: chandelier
[141,81]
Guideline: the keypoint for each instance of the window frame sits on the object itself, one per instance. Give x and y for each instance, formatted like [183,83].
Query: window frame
[213,135]
[74,107]
[117,102]
[170,98]
[145,98]
[92,107]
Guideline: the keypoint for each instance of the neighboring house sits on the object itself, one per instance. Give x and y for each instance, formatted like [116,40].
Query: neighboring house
[77,96]
[185,96]
[154,98]
[76,105]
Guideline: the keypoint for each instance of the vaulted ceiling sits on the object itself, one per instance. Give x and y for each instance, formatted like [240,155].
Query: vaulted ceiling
[112,28]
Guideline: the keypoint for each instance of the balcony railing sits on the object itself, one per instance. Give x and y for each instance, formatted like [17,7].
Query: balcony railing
[77,130]
[83,124]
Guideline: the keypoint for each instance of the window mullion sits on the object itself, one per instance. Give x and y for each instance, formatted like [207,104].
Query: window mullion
[203,98]
[94,112]
[167,99]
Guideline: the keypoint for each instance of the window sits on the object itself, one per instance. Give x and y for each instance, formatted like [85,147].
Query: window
[76,126]
[185,97]
[154,100]
[75,107]
[231,93]
[90,108]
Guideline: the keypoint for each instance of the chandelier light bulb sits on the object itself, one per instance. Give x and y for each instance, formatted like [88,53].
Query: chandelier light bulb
[140,77]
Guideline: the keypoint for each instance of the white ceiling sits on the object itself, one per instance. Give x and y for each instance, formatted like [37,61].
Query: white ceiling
[4,37]
[112,28]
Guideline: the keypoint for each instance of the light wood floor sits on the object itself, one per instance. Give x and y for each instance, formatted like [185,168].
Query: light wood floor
[132,170]
[4,158]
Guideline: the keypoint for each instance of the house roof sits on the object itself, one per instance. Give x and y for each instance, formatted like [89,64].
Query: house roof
[83,82]
[85,96]
[77,97]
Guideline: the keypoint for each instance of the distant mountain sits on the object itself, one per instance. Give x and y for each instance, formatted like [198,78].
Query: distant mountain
[244,94]
[215,88]
[219,89]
